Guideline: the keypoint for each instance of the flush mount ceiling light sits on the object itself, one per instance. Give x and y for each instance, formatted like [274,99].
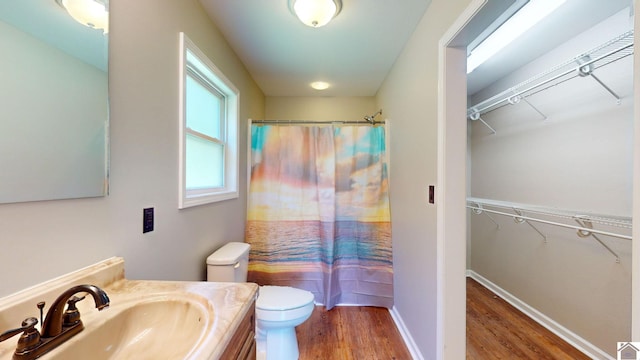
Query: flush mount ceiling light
[91,13]
[315,13]
[529,15]
[320,85]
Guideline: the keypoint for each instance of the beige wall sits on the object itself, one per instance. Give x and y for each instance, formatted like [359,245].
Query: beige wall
[320,108]
[41,240]
[409,97]
[580,158]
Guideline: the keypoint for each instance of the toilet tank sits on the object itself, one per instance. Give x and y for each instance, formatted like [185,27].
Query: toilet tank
[229,263]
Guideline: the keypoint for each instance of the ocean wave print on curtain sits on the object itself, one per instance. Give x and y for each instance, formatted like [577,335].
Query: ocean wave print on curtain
[318,213]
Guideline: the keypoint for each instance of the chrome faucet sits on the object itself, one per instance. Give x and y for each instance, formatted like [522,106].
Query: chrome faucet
[58,326]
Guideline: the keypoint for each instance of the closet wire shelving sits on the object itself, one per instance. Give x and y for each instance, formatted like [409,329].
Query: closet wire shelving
[579,66]
[523,213]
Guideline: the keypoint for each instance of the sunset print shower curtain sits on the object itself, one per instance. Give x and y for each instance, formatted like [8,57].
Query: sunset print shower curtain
[318,212]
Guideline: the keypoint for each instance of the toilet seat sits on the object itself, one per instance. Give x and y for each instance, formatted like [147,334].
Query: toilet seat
[283,303]
[282,298]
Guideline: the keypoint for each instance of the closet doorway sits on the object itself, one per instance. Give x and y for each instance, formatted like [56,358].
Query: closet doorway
[550,174]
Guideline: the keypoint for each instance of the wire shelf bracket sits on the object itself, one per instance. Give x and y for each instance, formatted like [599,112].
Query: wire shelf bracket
[476,116]
[586,223]
[479,210]
[520,219]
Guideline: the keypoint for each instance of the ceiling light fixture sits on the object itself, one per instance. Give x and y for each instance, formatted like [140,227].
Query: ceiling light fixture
[315,13]
[529,15]
[91,13]
[320,85]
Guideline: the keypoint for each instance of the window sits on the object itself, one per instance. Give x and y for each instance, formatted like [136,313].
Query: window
[208,130]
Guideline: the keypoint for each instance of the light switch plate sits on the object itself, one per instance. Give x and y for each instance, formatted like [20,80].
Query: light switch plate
[147,220]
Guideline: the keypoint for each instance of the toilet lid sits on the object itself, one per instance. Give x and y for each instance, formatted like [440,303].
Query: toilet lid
[282,298]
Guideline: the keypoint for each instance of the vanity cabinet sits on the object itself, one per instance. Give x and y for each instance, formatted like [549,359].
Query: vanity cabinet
[243,343]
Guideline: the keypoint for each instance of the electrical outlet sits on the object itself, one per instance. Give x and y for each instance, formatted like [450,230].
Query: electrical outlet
[147,220]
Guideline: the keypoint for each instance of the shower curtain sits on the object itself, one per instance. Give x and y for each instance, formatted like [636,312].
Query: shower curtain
[318,212]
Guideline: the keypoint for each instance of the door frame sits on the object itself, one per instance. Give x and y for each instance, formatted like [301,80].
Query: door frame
[452,188]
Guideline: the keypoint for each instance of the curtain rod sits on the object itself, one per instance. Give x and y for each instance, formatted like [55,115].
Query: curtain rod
[309,122]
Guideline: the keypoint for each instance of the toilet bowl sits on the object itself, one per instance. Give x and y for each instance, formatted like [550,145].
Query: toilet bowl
[279,309]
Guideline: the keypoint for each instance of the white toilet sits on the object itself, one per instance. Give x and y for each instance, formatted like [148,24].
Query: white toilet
[279,309]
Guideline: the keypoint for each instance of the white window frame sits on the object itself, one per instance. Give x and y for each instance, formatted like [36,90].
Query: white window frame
[189,198]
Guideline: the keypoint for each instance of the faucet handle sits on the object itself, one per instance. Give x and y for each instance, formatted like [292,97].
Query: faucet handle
[27,324]
[30,337]
[72,315]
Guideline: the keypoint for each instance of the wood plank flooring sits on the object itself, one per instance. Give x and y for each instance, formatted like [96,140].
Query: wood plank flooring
[351,333]
[497,330]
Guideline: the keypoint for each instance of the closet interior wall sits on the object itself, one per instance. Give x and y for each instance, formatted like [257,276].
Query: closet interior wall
[579,158]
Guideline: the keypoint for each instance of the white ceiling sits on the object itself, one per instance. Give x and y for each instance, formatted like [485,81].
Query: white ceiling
[358,48]
[354,52]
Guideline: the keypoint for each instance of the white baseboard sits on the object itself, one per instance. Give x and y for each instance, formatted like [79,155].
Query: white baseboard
[567,335]
[406,335]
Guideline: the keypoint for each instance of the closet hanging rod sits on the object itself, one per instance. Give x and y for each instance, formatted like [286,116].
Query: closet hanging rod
[607,220]
[309,122]
[577,228]
[574,65]
[517,94]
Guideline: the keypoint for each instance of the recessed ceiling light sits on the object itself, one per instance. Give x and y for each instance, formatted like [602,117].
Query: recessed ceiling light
[320,85]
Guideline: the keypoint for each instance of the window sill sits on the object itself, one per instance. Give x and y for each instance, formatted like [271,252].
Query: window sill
[207,199]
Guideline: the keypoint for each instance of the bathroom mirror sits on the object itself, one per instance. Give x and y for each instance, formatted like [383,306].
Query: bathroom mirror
[54,113]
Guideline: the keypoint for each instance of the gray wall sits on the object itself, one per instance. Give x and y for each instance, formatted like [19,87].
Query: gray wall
[320,108]
[409,97]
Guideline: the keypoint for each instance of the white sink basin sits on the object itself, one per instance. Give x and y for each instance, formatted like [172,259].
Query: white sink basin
[162,327]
